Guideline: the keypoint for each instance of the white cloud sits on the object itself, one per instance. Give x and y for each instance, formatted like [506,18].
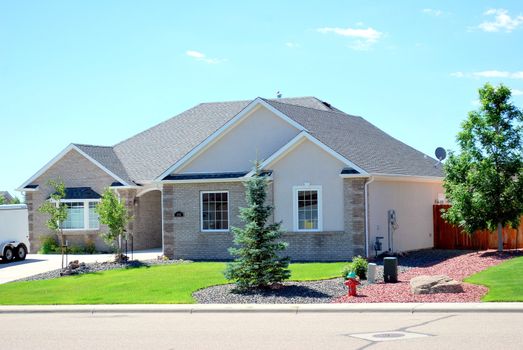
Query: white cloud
[516,92]
[432,12]
[364,38]
[201,57]
[457,74]
[502,21]
[292,45]
[489,74]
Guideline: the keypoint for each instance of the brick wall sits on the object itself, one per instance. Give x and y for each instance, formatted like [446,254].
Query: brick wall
[354,198]
[183,238]
[75,171]
[148,221]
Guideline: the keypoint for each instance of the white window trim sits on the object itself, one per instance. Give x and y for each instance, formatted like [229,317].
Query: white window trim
[86,214]
[228,211]
[296,225]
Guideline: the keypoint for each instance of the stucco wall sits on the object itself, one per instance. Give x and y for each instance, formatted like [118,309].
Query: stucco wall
[308,163]
[259,135]
[75,171]
[412,202]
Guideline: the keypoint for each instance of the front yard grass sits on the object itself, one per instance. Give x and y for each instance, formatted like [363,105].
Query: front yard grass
[505,281]
[164,284]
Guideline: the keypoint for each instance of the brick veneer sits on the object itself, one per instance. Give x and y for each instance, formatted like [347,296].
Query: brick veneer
[183,238]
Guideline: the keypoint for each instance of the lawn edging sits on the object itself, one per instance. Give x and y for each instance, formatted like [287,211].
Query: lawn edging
[412,308]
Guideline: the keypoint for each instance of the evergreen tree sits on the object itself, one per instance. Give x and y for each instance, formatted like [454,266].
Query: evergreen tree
[257,263]
[484,182]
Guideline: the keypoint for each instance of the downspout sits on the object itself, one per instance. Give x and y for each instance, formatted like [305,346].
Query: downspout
[367,215]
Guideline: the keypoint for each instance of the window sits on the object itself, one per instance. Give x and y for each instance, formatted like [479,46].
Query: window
[214,211]
[81,215]
[307,208]
[94,221]
[75,216]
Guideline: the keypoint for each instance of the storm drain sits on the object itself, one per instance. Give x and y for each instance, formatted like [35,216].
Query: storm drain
[387,336]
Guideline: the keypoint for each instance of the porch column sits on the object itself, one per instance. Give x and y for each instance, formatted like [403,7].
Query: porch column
[354,200]
[168,220]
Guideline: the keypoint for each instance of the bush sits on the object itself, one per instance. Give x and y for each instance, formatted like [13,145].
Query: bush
[74,249]
[360,265]
[345,271]
[49,245]
[90,247]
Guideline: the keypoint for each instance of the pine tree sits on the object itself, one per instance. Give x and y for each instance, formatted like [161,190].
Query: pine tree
[257,263]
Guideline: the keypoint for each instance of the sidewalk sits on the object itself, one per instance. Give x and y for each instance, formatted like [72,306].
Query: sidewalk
[271,308]
[39,263]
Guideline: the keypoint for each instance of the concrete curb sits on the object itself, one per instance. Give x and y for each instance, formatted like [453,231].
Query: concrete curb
[270,308]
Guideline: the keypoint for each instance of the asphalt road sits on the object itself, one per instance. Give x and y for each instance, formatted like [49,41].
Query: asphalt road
[442,331]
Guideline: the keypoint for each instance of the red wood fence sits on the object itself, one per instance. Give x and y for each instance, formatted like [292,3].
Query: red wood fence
[447,236]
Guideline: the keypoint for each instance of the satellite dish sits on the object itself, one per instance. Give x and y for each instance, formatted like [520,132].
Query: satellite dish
[441,153]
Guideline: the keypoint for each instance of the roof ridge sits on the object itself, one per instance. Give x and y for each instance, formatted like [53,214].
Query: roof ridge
[247,101]
[316,109]
[84,144]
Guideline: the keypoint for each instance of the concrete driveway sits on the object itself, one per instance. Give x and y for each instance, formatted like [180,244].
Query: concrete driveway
[40,263]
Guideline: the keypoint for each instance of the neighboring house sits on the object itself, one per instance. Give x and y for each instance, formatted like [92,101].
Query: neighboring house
[333,177]
[7,197]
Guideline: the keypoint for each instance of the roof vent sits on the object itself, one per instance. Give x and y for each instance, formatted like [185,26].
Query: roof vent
[328,105]
[278,94]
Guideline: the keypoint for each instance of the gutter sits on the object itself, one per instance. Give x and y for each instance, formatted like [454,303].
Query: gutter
[371,180]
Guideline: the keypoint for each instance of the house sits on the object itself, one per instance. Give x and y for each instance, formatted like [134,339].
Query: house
[333,178]
[6,196]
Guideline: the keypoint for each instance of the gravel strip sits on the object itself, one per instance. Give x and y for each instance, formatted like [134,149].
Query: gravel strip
[102,266]
[325,291]
[315,292]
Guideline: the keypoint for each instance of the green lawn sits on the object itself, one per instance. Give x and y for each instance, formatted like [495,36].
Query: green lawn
[505,281]
[167,284]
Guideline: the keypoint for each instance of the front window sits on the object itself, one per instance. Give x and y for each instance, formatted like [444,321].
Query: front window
[75,216]
[81,215]
[307,208]
[214,211]
[94,221]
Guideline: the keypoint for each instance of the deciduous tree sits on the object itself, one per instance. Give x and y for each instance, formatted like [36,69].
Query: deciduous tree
[484,181]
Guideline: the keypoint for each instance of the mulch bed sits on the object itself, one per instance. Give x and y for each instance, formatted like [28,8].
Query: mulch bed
[457,267]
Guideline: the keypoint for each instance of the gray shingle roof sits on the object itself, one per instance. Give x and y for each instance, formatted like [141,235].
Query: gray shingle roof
[361,142]
[106,156]
[148,154]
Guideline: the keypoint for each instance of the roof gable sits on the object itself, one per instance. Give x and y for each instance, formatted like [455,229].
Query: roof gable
[295,142]
[226,128]
[361,142]
[60,156]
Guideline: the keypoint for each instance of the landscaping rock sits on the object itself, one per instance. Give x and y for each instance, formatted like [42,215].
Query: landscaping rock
[434,284]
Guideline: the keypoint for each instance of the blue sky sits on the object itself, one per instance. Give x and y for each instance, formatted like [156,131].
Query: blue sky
[98,72]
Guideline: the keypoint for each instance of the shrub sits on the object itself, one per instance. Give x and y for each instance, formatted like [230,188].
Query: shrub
[49,245]
[345,271]
[90,247]
[359,266]
[74,249]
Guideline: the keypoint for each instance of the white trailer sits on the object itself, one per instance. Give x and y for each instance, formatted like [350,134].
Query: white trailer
[14,232]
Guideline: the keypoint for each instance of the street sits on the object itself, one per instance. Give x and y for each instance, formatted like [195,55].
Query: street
[262,330]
